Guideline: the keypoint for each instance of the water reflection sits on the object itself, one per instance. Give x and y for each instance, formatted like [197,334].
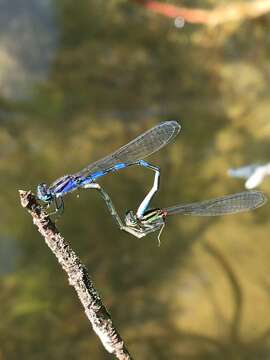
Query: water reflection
[114,71]
[8,255]
[29,38]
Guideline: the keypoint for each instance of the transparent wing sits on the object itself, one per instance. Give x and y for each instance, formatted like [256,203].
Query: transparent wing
[139,148]
[229,204]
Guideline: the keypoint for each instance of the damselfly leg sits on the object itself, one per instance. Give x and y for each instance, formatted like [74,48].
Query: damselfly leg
[58,207]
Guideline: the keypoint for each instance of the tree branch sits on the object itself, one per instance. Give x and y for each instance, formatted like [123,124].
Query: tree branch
[78,278]
[236,11]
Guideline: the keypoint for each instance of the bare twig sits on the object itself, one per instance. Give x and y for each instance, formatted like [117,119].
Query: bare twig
[78,278]
[235,11]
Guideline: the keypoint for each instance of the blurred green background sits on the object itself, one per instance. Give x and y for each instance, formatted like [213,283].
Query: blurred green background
[79,79]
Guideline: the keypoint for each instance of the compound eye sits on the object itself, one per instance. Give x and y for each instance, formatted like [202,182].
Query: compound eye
[130,218]
[43,193]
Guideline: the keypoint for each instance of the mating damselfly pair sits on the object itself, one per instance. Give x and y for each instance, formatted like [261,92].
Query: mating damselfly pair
[144,220]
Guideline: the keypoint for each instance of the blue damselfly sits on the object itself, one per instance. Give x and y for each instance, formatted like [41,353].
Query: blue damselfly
[130,154]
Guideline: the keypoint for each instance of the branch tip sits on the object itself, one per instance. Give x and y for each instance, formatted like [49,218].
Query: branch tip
[78,277]
[26,197]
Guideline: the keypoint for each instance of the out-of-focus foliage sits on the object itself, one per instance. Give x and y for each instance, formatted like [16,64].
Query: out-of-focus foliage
[115,72]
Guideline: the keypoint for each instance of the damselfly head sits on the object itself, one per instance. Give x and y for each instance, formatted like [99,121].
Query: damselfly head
[43,193]
[131,218]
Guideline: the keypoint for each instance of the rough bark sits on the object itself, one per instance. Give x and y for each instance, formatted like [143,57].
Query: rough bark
[78,278]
